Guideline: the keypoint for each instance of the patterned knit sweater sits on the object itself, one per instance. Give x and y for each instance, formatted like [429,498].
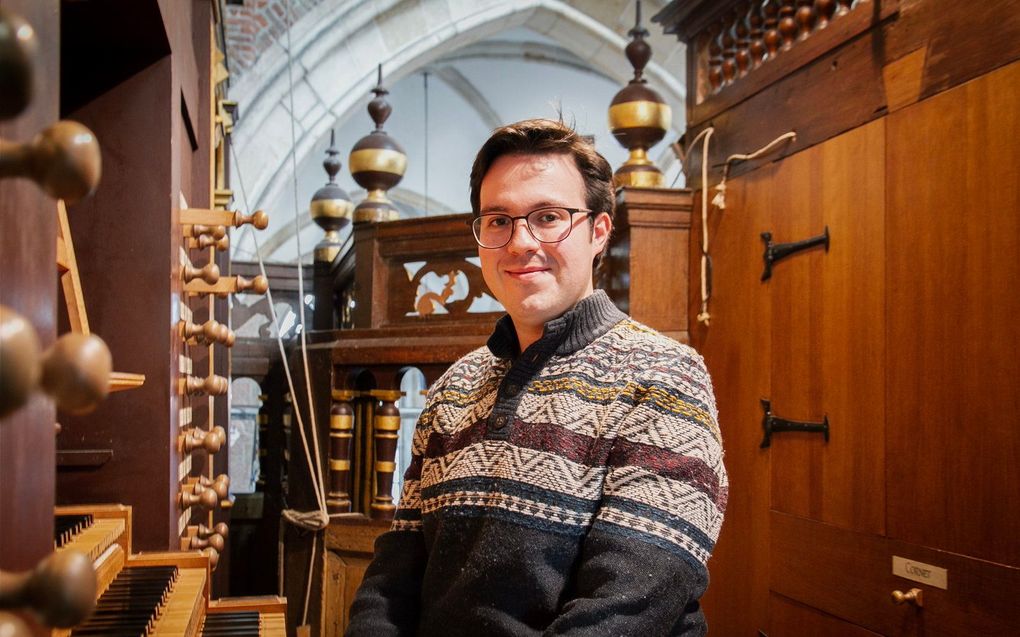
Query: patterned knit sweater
[576,488]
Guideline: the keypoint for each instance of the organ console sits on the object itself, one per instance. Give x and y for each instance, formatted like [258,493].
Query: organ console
[158,593]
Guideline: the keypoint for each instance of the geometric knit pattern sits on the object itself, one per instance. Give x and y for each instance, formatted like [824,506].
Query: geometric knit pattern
[620,434]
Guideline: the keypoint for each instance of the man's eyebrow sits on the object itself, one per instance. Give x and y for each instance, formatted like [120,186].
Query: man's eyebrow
[537,206]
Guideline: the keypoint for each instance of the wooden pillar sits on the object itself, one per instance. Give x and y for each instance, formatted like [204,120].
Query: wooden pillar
[385,427]
[341,435]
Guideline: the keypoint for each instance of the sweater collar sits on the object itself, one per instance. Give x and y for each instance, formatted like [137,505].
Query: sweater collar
[589,319]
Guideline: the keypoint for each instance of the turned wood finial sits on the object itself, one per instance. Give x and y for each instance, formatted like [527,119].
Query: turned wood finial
[210,273]
[64,160]
[18,48]
[715,58]
[60,590]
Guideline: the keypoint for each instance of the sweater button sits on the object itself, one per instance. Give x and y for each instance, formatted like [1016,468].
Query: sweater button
[499,422]
[512,389]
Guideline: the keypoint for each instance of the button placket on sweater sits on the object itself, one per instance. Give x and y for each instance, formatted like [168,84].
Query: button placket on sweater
[513,387]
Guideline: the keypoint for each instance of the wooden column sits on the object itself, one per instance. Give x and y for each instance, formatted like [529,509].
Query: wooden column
[385,426]
[341,435]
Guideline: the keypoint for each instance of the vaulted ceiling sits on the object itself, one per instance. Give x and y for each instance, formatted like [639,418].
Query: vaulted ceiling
[455,70]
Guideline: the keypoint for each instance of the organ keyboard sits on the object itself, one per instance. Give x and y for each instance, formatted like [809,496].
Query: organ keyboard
[154,594]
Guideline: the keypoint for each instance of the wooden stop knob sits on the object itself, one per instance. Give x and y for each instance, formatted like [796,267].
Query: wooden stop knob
[210,273]
[64,160]
[208,241]
[76,372]
[221,485]
[60,591]
[220,529]
[259,219]
[19,360]
[214,557]
[13,626]
[216,233]
[18,46]
[257,285]
[214,540]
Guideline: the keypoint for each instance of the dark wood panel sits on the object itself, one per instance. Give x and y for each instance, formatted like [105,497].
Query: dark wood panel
[28,285]
[844,88]
[736,349]
[787,618]
[953,237]
[828,333]
[849,575]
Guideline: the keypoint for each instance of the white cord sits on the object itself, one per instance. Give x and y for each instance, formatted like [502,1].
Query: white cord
[704,316]
[719,201]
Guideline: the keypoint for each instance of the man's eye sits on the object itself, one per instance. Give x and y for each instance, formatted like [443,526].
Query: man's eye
[549,217]
[497,221]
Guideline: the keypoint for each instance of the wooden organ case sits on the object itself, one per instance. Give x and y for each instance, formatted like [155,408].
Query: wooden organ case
[863,340]
[147,79]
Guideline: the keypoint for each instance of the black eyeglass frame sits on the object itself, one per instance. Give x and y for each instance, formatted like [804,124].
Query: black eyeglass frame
[527,224]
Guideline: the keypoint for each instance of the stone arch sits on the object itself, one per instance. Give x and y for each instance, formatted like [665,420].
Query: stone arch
[336,50]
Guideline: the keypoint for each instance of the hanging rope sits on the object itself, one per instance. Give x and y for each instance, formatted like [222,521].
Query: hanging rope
[719,201]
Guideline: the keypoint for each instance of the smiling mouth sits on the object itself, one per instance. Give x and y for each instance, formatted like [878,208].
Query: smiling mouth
[525,272]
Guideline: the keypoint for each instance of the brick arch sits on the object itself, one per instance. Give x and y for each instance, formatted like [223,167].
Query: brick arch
[336,49]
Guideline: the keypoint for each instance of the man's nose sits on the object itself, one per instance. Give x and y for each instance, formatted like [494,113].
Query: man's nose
[521,239]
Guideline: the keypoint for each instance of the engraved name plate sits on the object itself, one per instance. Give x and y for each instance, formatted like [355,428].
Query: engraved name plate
[920,572]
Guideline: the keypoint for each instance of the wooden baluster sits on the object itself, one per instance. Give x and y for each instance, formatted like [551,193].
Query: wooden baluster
[844,7]
[770,9]
[385,426]
[741,37]
[824,10]
[755,20]
[341,438]
[805,18]
[729,52]
[715,60]
[787,23]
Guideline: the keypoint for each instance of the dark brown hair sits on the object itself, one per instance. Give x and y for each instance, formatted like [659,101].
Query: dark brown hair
[544,136]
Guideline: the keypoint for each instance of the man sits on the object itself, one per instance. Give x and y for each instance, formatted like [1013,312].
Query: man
[567,479]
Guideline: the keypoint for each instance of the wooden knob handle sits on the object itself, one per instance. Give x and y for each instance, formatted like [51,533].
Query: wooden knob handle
[208,241]
[259,219]
[220,529]
[216,233]
[13,626]
[210,273]
[64,160]
[19,360]
[914,596]
[257,285]
[201,496]
[221,485]
[18,46]
[214,540]
[60,591]
[212,385]
[76,372]
[210,441]
[214,557]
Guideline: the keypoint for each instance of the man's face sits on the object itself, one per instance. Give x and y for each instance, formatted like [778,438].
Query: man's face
[537,282]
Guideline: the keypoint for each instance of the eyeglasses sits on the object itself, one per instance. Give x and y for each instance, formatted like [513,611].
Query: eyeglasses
[546,225]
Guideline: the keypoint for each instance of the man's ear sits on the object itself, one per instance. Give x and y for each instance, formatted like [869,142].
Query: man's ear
[602,227]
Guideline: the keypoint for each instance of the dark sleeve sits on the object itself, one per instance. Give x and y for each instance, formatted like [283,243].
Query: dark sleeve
[388,600]
[643,563]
